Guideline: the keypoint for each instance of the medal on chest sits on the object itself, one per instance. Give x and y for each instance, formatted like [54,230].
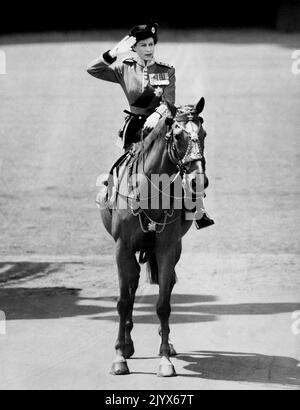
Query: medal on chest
[158,91]
[159,79]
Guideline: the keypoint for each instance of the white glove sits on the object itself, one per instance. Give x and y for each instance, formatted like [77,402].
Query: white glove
[123,46]
[152,121]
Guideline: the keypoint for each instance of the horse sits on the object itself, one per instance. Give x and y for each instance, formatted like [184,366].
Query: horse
[174,148]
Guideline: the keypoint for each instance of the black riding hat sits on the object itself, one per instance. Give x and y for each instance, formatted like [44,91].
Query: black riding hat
[143,32]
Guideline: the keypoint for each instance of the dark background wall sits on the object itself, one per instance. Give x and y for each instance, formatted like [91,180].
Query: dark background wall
[54,15]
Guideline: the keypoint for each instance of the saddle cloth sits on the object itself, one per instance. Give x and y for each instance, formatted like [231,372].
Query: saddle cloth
[119,188]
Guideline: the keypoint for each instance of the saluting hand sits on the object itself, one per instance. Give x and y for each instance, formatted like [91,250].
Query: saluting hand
[123,46]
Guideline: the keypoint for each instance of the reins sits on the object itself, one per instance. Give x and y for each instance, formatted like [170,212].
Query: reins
[180,164]
[175,158]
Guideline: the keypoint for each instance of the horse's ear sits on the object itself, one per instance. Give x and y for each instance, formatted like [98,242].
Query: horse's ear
[173,109]
[200,106]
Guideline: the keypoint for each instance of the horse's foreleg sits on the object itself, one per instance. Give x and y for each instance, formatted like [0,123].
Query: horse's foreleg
[167,277]
[128,278]
[172,350]
[133,285]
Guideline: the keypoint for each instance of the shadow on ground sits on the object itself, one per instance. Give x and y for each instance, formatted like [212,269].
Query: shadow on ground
[242,367]
[45,303]
[10,271]
[198,313]
[58,302]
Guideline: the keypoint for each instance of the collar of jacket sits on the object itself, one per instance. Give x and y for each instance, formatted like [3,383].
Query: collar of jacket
[142,63]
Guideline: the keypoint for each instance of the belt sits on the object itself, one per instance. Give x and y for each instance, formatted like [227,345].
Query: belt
[131,114]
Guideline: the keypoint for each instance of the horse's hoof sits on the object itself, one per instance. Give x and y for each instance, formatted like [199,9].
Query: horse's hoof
[129,351]
[166,370]
[172,351]
[119,369]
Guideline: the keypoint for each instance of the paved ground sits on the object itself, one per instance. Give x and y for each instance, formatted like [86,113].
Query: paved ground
[238,282]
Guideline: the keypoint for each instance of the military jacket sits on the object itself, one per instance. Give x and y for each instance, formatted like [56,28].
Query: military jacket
[145,86]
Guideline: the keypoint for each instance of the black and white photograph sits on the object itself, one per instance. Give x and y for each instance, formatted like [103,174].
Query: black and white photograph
[149,198]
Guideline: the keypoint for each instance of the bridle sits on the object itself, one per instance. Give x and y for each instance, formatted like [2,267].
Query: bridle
[194,150]
[183,163]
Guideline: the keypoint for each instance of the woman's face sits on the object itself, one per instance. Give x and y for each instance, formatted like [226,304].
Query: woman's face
[145,49]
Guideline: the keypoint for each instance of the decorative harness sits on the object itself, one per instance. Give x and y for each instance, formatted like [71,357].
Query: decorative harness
[194,150]
[193,153]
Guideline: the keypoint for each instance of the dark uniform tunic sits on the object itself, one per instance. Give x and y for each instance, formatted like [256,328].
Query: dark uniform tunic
[146,86]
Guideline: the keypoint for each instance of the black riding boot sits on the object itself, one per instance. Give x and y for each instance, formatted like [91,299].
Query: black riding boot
[204,222]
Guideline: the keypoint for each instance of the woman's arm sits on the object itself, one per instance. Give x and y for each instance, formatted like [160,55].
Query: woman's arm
[100,68]
[169,95]
[167,103]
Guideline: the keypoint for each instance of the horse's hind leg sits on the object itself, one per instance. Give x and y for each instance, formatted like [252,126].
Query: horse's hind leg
[128,281]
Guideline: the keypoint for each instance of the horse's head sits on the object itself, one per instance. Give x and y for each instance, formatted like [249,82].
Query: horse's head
[187,137]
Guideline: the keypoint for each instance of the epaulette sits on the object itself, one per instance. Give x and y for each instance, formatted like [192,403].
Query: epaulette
[129,61]
[164,64]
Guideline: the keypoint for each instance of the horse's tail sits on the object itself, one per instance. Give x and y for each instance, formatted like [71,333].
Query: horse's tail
[152,269]
[148,256]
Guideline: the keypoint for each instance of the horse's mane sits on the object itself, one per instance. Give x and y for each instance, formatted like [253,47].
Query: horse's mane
[185,109]
[143,149]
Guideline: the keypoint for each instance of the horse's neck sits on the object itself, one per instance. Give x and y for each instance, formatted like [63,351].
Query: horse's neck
[156,164]
[157,161]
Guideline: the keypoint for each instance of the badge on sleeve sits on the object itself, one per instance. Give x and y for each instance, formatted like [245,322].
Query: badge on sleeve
[159,79]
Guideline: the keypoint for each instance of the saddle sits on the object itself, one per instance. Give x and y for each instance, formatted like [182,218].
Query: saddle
[118,181]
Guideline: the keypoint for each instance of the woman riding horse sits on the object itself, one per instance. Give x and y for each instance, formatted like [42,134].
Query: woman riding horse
[148,85]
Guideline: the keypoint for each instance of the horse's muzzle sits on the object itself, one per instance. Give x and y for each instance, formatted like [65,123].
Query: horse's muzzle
[196,178]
